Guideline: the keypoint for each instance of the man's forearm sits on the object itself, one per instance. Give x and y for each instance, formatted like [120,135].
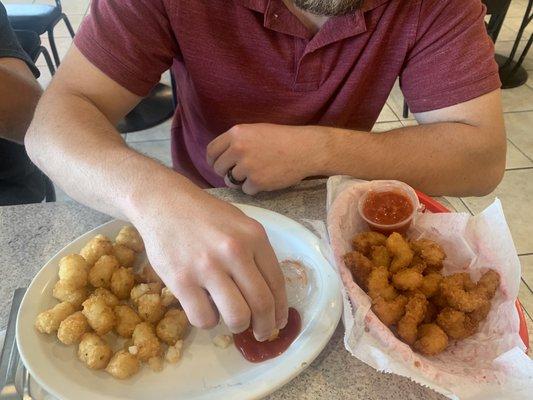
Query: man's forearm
[19,95]
[440,159]
[74,144]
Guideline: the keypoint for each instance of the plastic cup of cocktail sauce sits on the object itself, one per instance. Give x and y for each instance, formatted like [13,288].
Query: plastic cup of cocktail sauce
[389,206]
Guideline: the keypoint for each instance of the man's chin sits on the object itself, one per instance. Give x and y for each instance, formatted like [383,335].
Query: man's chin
[328,8]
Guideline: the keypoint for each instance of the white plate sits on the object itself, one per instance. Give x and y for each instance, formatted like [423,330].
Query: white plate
[205,371]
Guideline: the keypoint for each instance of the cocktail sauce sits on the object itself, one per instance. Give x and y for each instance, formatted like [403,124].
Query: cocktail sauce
[387,208]
[256,352]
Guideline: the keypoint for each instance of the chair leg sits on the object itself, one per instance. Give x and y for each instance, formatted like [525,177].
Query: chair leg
[67,23]
[405,110]
[53,46]
[48,60]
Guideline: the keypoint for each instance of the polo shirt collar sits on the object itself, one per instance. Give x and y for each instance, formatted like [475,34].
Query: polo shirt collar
[278,18]
[261,5]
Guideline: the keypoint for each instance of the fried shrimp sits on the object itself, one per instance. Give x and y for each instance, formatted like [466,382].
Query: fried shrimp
[432,340]
[430,284]
[430,251]
[489,283]
[389,312]
[407,279]
[415,311]
[401,252]
[363,242]
[461,293]
[410,295]
[456,324]
[479,314]
[431,313]
[379,285]
[360,267]
[418,264]
[380,256]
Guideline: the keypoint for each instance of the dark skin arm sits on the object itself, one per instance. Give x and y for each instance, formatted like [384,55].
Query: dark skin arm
[19,94]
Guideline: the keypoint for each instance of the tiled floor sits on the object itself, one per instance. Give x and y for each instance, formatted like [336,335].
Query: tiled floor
[515,191]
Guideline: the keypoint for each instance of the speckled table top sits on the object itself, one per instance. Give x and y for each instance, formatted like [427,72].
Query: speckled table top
[31,234]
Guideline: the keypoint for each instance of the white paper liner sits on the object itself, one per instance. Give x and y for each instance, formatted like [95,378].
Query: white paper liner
[490,364]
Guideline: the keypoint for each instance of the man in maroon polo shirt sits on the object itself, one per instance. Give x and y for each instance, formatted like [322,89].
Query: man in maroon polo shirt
[270,92]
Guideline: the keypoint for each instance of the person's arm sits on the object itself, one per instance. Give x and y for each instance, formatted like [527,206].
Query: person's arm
[19,91]
[19,94]
[186,231]
[457,151]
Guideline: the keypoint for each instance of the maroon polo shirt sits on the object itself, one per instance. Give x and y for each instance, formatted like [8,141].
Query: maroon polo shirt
[250,61]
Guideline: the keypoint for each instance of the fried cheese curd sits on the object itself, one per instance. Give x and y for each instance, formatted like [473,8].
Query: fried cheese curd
[94,351]
[411,296]
[72,328]
[123,365]
[100,298]
[130,238]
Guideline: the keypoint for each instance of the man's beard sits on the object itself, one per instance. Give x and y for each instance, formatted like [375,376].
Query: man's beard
[328,8]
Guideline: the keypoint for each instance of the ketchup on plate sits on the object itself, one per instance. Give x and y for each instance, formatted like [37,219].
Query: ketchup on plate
[256,352]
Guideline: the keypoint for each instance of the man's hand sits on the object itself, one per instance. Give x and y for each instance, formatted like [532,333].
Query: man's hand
[267,157]
[208,252]
[443,156]
[213,257]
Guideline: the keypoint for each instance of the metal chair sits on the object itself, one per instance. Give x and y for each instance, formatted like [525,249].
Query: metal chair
[39,18]
[31,43]
[153,110]
[497,9]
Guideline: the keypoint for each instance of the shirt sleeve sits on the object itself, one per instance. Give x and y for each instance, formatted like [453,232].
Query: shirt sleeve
[452,57]
[9,45]
[131,41]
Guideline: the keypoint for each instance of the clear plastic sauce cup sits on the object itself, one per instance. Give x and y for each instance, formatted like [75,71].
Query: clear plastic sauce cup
[389,206]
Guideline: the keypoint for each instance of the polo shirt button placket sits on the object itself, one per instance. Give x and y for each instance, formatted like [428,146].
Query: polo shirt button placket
[308,73]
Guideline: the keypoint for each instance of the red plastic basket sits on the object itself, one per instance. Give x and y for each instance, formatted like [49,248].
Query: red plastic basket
[434,206]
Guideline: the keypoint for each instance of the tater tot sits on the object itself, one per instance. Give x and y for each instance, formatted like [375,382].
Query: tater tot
[96,248]
[123,365]
[73,270]
[148,274]
[127,320]
[140,290]
[102,270]
[122,281]
[167,298]
[94,351]
[125,255]
[150,307]
[66,292]
[129,237]
[99,315]
[110,299]
[48,321]
[172,327]
[72,328]
[146,341]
